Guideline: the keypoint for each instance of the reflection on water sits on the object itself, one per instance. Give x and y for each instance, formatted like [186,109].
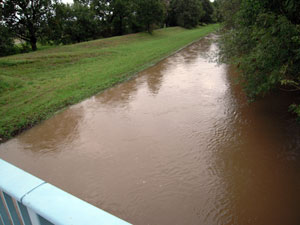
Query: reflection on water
[179,144]
[57,134]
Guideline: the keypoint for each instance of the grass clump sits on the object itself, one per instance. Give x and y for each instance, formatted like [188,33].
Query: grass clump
[35,85]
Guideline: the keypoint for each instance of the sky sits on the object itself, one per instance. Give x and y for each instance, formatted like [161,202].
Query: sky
[67,1]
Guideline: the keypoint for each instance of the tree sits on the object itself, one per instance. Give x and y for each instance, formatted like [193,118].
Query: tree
[149,13]
[185,13]
[26,18]
[73,23]
[228,10]
[217,14]
[102,10]
[57,24]
[82,25]
[262,40]
[121,17]
[208,11]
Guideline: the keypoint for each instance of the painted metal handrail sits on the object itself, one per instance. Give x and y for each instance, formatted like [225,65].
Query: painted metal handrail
[28,200]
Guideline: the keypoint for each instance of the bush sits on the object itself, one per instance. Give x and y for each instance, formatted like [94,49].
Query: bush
[6,42]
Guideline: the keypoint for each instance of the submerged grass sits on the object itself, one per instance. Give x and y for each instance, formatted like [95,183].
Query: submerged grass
[35,85]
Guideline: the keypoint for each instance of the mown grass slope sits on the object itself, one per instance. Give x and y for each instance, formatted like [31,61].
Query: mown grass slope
[34,86]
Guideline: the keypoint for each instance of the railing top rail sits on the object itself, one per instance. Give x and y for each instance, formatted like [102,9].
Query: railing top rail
[50,202]
[16,182]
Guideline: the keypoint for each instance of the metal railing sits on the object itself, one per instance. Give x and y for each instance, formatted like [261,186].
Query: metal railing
[28,200]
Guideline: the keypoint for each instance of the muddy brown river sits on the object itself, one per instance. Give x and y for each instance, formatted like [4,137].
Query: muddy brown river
[177,145]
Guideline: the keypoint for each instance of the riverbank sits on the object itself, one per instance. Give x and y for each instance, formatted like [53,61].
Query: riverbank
[34,86]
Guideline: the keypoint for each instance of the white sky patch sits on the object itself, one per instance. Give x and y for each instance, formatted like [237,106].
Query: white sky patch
[67,1]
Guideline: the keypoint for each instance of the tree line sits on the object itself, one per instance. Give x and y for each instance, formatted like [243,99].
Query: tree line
[262,38]
[54,22]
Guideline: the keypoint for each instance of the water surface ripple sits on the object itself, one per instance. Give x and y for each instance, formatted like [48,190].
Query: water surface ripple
[179,144]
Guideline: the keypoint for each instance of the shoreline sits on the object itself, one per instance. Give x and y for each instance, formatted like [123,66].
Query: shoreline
[62,93]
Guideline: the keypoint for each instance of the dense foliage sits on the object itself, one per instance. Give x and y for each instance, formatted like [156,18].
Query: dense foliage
[72,23]
[208,11]
[263,40]
[149,12]
[6,39]
[52,21]
[186,13]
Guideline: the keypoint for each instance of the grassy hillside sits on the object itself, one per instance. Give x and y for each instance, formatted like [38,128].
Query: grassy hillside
[34,86]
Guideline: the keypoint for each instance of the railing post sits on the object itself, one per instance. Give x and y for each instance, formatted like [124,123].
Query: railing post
[24,214]
[11,209]
[1,222]
[3,212]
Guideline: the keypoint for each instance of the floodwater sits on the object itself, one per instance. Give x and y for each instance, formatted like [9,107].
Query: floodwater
[177,145]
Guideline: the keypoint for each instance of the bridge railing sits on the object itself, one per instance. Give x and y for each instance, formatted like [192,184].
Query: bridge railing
[28,200]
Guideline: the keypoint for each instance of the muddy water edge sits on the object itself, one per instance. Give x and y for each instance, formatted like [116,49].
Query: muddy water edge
[179,144]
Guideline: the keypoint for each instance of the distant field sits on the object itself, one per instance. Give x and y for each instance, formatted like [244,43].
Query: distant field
[35,85]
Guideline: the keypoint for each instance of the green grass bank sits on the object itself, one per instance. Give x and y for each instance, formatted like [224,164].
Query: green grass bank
[35,85]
